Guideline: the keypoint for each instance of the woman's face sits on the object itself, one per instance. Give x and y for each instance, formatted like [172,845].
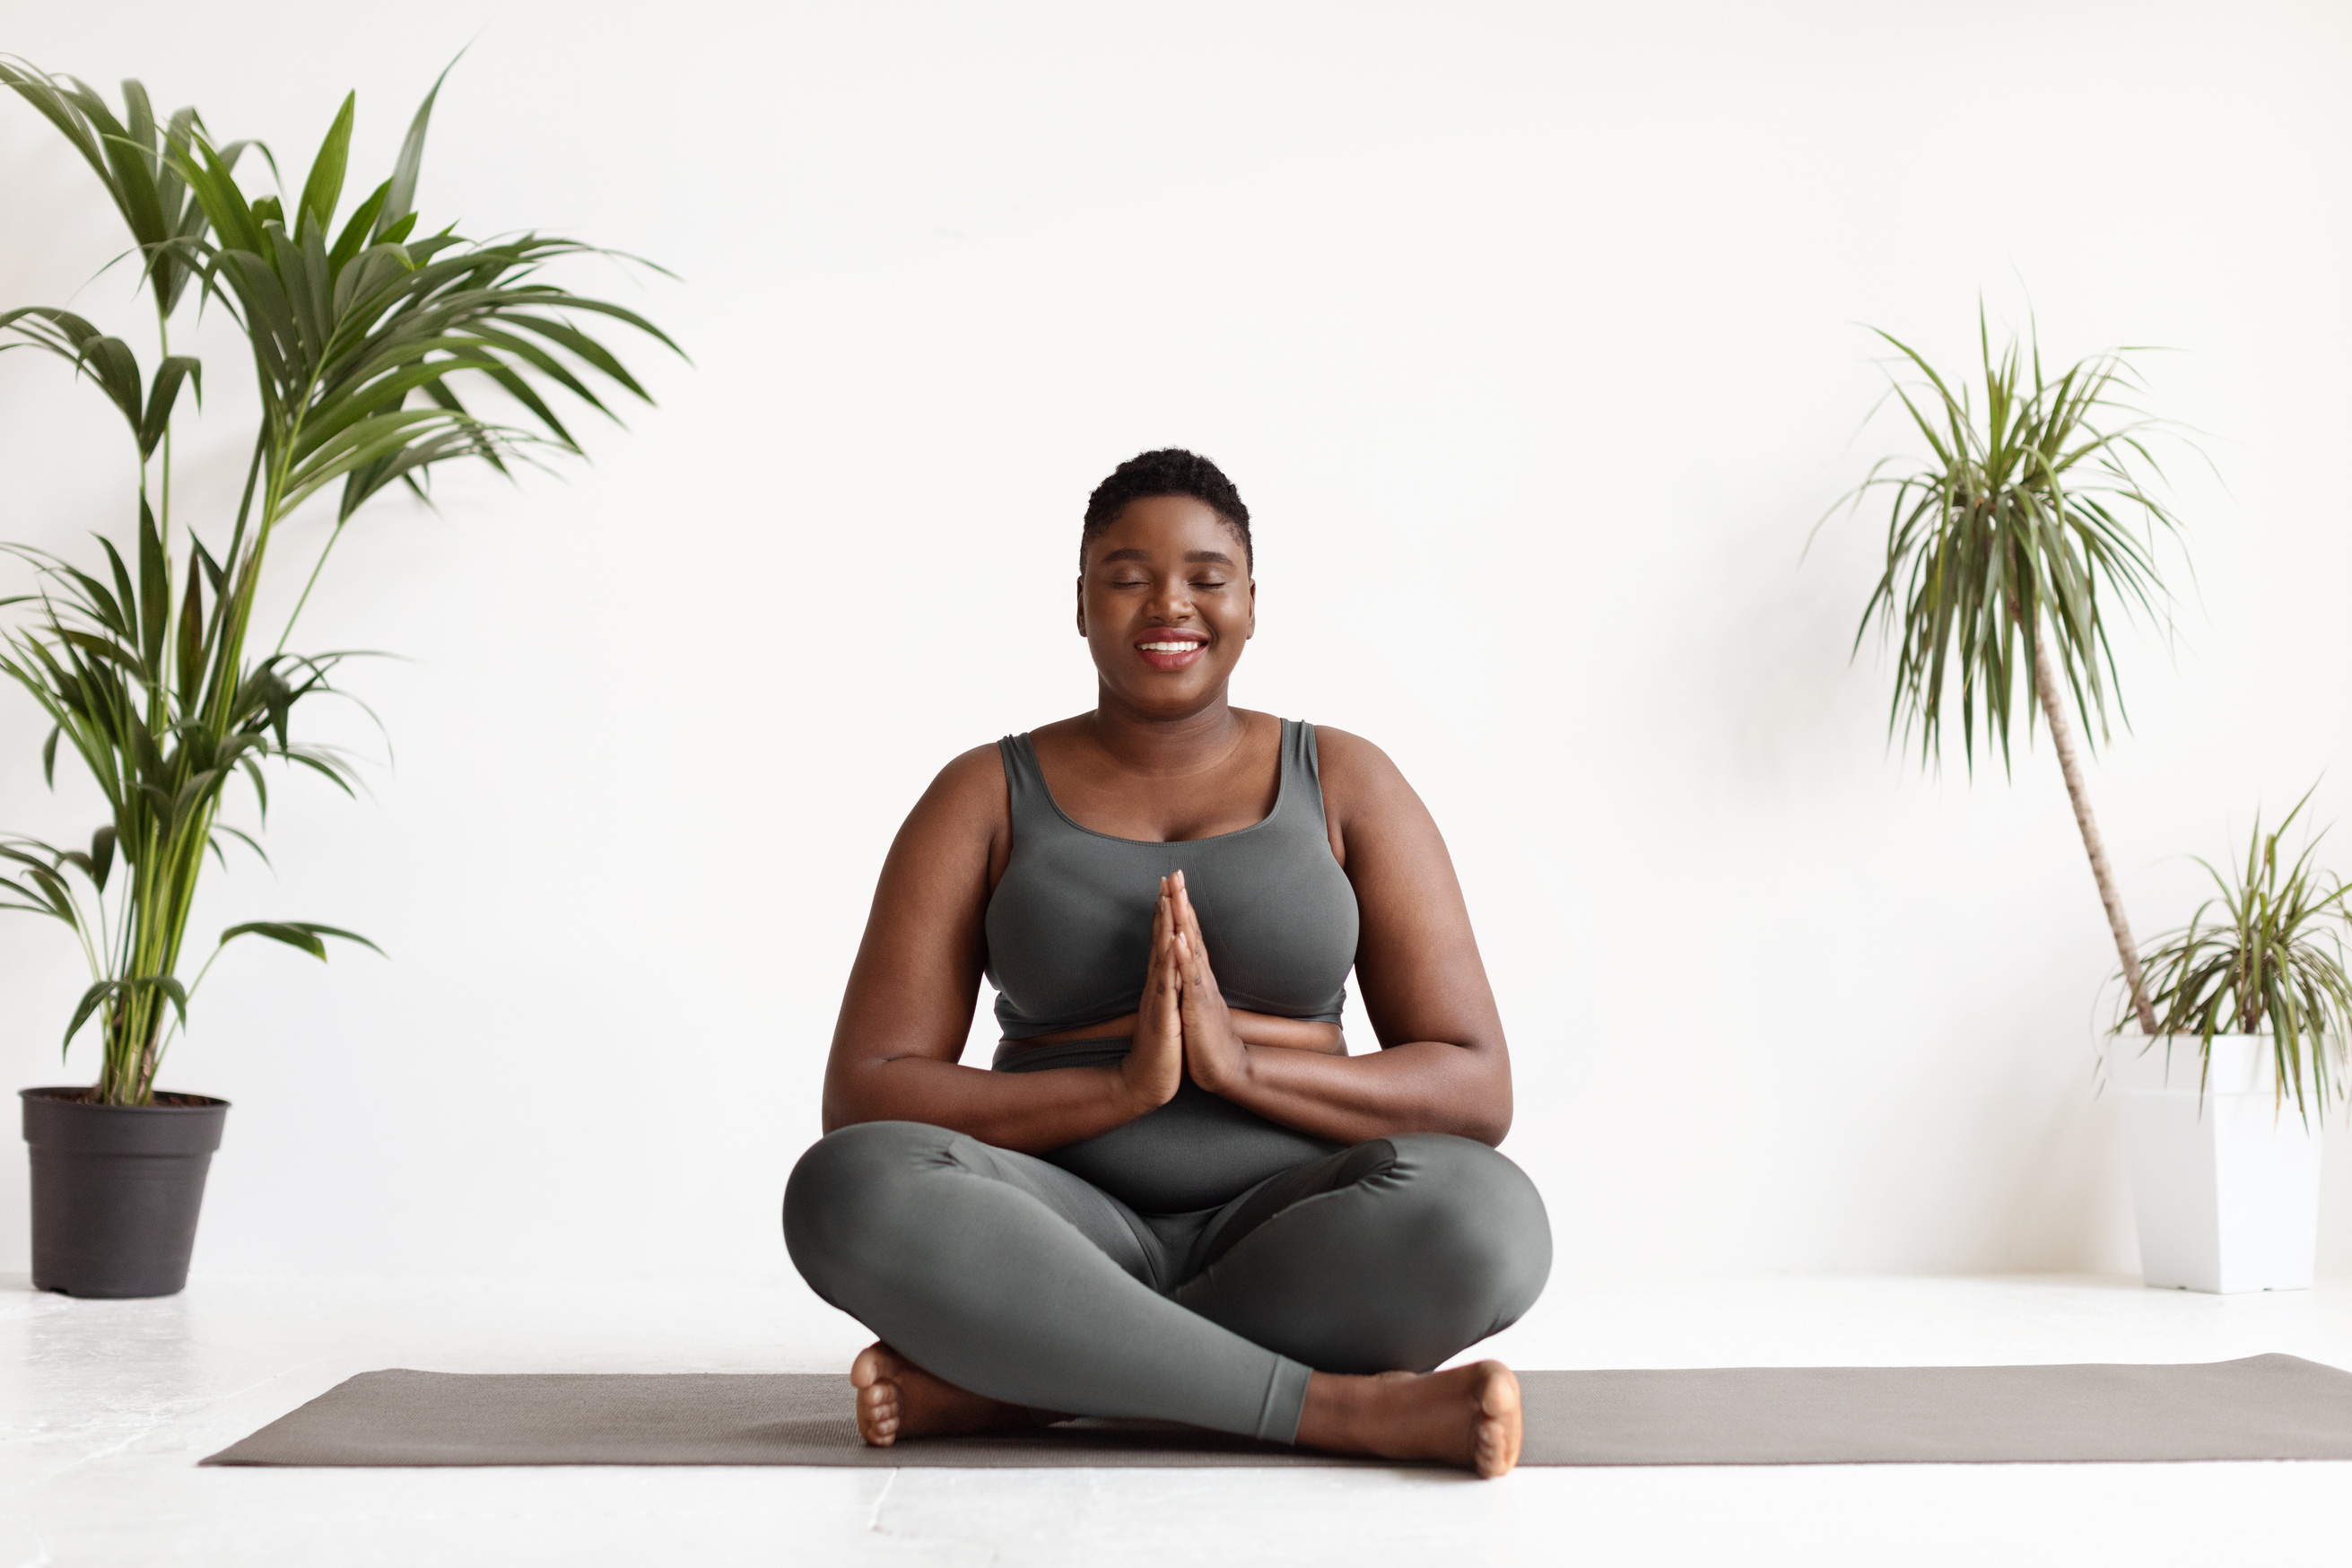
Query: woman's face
[1165,604]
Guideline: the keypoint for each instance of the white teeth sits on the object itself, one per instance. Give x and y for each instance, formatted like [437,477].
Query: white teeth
[1167,647]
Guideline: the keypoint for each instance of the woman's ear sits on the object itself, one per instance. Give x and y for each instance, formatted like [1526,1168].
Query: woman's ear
[1082,604]
[1253,620]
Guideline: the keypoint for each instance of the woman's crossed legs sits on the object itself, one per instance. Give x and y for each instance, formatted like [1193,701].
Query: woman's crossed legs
[1005,1277]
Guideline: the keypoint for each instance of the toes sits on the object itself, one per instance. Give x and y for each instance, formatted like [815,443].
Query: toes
[1496,1456]
[877,1415]
[1499,1421]
[1498,1393]
[875,1375]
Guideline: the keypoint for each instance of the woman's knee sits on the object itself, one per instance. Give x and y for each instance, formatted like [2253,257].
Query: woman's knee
[845,1201]
[1483,1216]
[1412,1248]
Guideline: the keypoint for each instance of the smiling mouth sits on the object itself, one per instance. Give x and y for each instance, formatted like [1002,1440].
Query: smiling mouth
[1172,653]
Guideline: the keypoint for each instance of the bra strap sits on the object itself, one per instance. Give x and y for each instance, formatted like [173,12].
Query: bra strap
[1024,782]
[1301,763]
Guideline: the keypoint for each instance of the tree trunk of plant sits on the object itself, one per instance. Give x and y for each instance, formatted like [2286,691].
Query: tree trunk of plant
[2062,735]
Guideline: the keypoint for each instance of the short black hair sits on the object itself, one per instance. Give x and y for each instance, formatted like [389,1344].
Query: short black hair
[1170,471]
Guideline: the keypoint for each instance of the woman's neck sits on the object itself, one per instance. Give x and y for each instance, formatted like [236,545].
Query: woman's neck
[1158,743]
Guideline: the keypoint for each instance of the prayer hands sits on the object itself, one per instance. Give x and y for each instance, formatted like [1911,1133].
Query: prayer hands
[1212,1052]
[1155,1062]
[1181,1024]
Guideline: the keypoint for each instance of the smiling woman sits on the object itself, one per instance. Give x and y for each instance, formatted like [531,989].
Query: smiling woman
[1176,1195]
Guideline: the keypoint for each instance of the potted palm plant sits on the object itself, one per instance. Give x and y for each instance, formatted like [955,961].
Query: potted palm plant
[147,663]
[2222,1111]
[2007,546]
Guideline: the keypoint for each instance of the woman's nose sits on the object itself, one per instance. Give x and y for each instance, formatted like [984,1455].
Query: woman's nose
[1172,600]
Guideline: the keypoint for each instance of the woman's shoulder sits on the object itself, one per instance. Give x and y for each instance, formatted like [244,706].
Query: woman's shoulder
[966,798]
[972,785]
[1360,782]
[1350,757]
[978,773]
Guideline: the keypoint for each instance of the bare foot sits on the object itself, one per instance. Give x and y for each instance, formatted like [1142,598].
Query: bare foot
[1467,1416]
[896,1399]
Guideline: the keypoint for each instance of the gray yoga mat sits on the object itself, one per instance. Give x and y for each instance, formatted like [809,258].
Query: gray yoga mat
[2263,1408]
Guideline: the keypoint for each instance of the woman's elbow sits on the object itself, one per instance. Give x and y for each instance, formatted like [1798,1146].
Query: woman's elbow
[849,1097]
[1490,1124]
[1490,1119]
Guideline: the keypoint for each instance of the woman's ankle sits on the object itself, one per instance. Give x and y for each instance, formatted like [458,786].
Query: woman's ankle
[1337,1409]
[1467,1416]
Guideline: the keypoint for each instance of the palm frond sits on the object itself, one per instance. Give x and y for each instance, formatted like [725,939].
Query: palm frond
[2264,954]
[362,337]
[2035,510]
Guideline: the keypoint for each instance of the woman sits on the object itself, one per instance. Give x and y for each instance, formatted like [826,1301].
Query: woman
[1176,1196]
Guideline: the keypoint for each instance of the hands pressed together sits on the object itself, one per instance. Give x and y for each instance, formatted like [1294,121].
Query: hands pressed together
[1182,1024]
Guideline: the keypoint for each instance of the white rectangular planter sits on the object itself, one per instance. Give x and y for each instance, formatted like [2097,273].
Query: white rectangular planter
[2225,1183]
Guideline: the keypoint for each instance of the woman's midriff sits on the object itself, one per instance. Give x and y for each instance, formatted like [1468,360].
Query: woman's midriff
[1196,1153]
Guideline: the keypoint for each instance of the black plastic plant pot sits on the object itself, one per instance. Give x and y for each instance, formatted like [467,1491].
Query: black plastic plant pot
[116,1189]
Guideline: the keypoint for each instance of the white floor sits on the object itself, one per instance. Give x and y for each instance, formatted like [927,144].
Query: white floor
[106,1407]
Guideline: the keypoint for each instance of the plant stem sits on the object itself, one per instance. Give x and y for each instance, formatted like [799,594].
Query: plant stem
[2062,736]
[164,352]
[320,565]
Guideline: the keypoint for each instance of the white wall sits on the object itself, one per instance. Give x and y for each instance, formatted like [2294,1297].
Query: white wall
[1530,333]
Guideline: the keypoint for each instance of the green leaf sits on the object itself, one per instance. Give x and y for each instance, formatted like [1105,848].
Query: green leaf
[214,575]
[192,630]
[400,195]
[116,369]
[278,931]
[245,838]
[99,647]
[91,1000]
[154,587]
[320,767]
[170,988]
[130,168]
[207,174]
[303,935]
[37,89]
[169,376]
[323,191]
[580,343]
[126,596]
[354,237]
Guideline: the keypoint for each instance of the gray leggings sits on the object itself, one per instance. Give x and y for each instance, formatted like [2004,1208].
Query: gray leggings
[1017,1278]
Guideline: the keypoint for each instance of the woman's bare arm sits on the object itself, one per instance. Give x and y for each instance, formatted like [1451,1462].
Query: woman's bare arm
[908,1009]
[1443,1066]
[1254,1029]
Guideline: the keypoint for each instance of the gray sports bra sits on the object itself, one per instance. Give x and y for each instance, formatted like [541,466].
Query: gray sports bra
[1069,926]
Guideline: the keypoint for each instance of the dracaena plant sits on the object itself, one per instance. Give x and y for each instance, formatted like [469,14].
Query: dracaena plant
[2031,517]
[367,334]
[2264,956]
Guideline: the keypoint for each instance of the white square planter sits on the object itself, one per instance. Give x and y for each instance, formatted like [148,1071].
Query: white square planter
[2225,1183]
